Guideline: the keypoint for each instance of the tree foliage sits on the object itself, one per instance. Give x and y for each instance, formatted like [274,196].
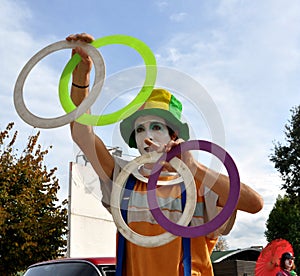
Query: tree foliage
[286,158]
[221,244]
[284,219]
[32,224]
[284,223]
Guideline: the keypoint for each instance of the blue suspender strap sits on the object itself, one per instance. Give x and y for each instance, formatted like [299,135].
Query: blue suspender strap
[120,254]
[121,240]
[186,242]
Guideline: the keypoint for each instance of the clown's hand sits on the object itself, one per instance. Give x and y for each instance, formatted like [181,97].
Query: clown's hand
[83,68]
[186,157]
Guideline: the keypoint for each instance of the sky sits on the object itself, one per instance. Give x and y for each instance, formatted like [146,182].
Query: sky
[243,55]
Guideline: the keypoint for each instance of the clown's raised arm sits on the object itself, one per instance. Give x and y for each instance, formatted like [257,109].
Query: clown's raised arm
[83,135]
[146,133]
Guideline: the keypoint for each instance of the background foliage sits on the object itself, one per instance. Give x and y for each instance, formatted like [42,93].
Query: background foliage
[284,219]
[33,226]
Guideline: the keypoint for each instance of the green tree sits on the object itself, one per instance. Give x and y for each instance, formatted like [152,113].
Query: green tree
[33,226]
[286,158]
[283,221]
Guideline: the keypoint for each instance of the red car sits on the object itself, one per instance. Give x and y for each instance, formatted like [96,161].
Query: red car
[73,267]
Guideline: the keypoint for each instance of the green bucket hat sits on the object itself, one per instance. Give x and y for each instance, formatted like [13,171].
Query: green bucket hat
[160,103]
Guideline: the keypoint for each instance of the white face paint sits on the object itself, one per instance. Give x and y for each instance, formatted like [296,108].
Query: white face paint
[288,264]
[153,128]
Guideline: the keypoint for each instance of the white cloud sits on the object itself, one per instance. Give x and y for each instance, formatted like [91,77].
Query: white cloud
[245,234]
[178,17]
[162,5]
[13,15]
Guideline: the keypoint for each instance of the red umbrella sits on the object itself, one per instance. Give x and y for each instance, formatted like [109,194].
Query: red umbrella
[268,262]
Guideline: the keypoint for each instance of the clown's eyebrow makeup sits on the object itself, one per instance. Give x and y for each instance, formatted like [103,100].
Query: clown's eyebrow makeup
[153,125]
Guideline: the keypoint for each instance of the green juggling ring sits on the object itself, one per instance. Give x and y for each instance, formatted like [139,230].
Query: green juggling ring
[135,104]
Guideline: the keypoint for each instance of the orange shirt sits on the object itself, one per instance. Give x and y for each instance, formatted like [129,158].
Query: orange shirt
[165,259]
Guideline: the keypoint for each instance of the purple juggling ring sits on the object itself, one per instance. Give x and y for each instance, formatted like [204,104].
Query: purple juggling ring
[227,210]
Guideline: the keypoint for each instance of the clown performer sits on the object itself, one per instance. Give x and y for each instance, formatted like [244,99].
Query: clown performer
[156,126]
[287,265]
